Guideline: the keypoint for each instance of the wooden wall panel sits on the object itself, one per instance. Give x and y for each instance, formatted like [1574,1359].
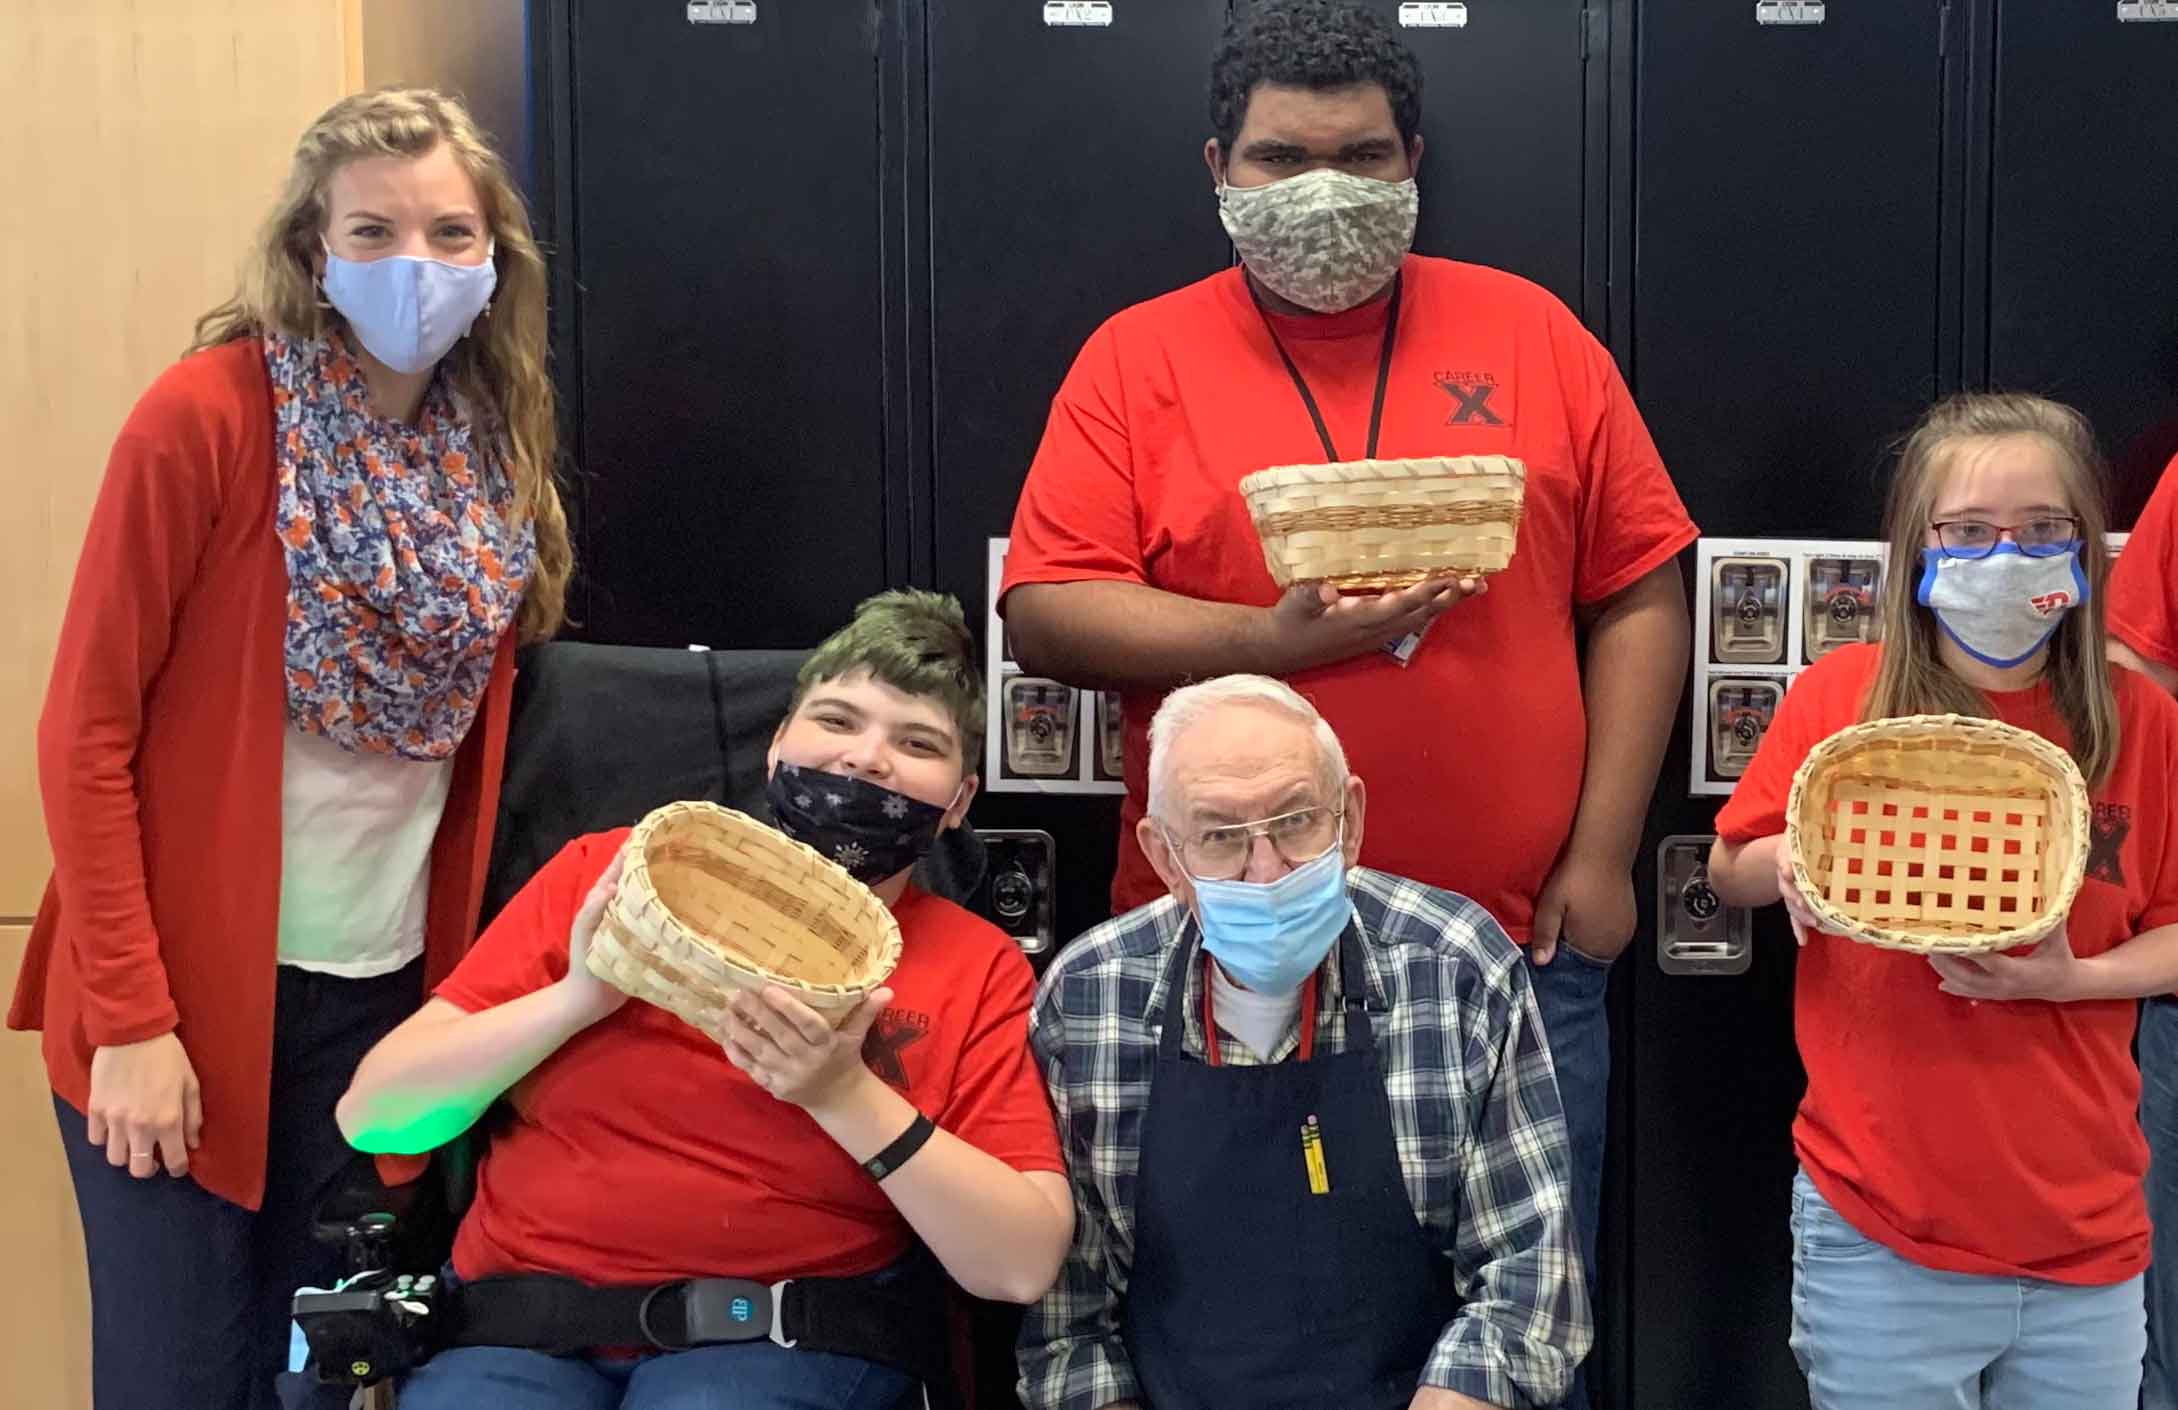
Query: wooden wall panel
[45,1315]
[144,143]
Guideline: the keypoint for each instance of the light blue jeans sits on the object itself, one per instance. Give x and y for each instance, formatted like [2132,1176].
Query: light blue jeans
[1874,1331]
[2159,1119]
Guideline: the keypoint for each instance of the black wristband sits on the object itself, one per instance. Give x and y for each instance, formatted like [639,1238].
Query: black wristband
[894,1156]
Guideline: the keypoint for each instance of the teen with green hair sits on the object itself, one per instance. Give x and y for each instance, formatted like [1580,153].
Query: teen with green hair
[643,1153]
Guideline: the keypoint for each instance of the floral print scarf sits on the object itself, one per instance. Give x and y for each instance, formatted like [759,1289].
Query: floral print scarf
[403,568]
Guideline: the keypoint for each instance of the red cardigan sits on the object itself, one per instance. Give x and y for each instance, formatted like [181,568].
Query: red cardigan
[159,761]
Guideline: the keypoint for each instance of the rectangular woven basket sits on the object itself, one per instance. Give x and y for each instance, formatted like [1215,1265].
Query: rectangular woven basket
[1938,834]
[1380,525]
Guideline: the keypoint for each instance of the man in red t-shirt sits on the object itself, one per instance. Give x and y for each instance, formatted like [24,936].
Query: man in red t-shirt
[1507,768]
[2142,609]
[642,1152]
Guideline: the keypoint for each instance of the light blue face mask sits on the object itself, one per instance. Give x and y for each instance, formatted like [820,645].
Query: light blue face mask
[409,311]
[1271,935]
[2000,609]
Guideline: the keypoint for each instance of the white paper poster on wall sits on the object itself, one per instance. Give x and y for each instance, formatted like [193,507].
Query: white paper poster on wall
[1042,736]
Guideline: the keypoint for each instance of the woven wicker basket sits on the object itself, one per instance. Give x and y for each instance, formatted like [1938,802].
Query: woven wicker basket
[712,901]
[1379,525]
[1938,834]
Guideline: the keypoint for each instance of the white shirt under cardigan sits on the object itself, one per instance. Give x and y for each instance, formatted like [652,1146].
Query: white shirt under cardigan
[355,863]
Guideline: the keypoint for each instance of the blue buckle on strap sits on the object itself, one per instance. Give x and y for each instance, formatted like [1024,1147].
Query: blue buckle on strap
[716,1311]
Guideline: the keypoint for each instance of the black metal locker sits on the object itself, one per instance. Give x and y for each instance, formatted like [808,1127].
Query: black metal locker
[1066,182]
[2081,206]
[728,277]
[1055,201]
[1505,114]
[1786,254]
[1788,313]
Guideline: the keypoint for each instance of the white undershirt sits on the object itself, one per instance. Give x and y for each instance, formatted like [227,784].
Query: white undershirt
[1260,1021]
[355,856]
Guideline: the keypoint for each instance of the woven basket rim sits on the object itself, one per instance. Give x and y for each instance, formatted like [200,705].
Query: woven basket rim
[1340,471]
[884,959]
[2056,765]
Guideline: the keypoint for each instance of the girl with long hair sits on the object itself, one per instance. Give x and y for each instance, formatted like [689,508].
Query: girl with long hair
[1968,1222]
[270,751]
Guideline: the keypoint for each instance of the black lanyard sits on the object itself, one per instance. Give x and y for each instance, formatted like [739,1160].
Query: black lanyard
[1308,398]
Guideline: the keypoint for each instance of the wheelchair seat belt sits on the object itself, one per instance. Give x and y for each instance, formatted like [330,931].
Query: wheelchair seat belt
[898,1322]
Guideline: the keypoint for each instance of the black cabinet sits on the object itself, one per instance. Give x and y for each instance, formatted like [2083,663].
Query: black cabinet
[1505,120]
[2080,214]
[1066,182]
[1787,243]
[728,282]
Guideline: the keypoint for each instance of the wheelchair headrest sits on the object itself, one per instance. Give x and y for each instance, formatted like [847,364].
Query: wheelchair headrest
[601,735]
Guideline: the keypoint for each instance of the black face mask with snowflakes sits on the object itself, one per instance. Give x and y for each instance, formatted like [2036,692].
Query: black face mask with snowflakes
[867,828]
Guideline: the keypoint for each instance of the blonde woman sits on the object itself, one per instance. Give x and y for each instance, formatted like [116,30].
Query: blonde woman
[1968,1223]
[270,750]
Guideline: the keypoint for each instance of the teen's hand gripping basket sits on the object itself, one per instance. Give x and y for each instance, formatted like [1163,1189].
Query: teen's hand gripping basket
[712,901]
[1381,525]
[1938,834]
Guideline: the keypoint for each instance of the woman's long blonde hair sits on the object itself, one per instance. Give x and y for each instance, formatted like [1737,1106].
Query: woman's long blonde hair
[1912,679]
[499,369]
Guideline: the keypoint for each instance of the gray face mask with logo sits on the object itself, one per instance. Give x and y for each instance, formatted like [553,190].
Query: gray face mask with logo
[1324,240]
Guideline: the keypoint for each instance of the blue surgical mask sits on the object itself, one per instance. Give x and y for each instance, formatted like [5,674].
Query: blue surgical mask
[1271,935]
[407,311]
[2002,608]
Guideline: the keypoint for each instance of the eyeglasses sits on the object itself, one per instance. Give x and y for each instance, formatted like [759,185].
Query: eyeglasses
[2045,536]
[1221,853]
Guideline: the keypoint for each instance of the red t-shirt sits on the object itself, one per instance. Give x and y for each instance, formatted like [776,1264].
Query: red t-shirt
[1993,1138]
[1474,751]
[639,1154]
[2142,600]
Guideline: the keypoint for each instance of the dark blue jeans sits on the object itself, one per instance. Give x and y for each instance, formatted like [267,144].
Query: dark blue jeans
[748,1376]
[1569,992]
[2159,1119]
[189,1293]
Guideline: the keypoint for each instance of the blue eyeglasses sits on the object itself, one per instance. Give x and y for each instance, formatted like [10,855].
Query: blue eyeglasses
[2044,536]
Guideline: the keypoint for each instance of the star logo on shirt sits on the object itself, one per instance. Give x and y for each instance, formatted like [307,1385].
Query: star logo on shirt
[2106,834]
[892,1035]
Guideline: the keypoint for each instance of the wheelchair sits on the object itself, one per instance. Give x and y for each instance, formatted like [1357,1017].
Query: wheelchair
[682,724]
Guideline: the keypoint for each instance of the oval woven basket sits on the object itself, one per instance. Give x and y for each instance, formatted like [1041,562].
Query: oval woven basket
[712,901]
[1380,525]
[1939,834]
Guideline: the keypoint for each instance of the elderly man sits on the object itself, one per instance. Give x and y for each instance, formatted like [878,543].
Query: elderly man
[1317,1149]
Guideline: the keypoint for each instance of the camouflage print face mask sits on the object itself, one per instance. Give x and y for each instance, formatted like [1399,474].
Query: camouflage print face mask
[1323,239]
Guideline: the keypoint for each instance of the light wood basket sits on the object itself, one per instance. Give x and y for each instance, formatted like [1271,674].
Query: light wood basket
[1380,525]
[1939,834]
[712,901]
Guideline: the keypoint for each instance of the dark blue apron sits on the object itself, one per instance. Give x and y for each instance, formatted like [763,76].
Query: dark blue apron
[1251,1290]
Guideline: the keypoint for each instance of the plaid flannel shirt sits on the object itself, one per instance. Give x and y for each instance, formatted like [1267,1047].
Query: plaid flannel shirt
[1475,1114]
